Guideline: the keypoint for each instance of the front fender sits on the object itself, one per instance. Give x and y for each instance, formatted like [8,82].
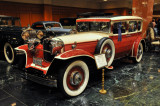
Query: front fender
[135,46]
[74,53]
[61,60]
[24,49]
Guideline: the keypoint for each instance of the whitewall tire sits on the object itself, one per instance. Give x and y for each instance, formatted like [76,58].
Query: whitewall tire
[107,47]
[73,79]
[139,54]
[9,53]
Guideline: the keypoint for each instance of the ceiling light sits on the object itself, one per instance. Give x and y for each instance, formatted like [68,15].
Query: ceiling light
[105,0]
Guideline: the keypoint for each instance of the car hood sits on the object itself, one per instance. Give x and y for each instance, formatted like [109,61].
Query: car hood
[11,28]
[82,37]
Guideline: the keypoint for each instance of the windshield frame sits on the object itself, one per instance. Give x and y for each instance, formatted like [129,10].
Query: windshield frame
[52,23]
[10,22]
[90,27]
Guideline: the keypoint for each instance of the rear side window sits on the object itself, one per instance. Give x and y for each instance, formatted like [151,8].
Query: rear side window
[132,26]
[38,26]
[121,25]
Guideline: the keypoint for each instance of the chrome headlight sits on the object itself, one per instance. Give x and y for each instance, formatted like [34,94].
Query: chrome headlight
[56,46]
[32,43]
[40,34]
[25,35]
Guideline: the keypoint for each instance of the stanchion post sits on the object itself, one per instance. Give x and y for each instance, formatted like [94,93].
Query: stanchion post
[103,91]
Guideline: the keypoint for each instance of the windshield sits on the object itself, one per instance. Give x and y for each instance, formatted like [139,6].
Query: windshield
[10,22]
[52,25]
[93,26]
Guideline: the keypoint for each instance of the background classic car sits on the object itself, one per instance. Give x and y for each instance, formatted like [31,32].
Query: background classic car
[10,36]
[51,28]
[67,60]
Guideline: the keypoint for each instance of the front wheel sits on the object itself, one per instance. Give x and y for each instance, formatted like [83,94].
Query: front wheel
[139,54]
[9,53]
[73,79]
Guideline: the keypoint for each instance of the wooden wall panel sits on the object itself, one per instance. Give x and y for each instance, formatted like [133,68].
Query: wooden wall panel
[30,13]
[60,12]
[118,11]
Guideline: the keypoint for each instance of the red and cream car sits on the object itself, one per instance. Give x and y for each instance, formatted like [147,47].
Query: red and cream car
[66,61]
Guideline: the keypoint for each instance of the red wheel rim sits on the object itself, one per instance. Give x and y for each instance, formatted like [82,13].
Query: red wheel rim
[80,72]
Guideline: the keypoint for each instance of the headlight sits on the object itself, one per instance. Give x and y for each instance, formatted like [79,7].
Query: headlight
[40,34]
[25,35]
[56,45]
[32,43]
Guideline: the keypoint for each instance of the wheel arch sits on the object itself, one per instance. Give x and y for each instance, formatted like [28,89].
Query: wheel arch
[57,64]
[135,46]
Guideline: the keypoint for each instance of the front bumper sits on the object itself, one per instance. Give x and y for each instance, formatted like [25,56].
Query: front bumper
[40,80]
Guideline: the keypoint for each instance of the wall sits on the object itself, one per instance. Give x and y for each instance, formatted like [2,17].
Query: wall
[61,12]
[30,13]
[118,11]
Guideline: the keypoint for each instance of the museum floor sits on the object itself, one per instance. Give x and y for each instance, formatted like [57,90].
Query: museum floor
[128,84]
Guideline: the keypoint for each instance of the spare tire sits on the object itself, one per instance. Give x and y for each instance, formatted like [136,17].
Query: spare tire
[106,46]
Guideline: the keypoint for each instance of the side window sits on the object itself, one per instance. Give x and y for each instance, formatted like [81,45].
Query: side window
[132,26]
[121,25]
[139,25]
[39,26]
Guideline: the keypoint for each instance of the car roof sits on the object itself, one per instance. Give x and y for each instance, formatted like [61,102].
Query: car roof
[109,18]
[8,17]
[41,22]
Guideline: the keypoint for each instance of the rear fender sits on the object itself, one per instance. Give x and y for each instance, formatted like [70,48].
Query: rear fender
[135,46]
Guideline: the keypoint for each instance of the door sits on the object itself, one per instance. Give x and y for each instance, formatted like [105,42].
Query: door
[119,38]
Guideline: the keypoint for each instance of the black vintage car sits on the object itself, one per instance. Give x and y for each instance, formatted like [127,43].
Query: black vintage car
[10,36]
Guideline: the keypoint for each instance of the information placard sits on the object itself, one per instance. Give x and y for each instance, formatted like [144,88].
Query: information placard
[100,61]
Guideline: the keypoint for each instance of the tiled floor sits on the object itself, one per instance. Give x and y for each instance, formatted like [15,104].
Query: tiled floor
[128,84]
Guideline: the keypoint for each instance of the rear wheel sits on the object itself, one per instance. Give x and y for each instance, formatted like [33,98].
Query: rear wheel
[106,46]
[139,54]
[73,79]
[9,53]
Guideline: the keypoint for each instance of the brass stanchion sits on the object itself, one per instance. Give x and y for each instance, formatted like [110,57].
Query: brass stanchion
[102,91]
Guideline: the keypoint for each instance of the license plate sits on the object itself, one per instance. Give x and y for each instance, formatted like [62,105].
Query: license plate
[37,61]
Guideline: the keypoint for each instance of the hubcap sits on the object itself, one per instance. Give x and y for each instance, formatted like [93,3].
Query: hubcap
[139,52]
[108,52]
[75,78]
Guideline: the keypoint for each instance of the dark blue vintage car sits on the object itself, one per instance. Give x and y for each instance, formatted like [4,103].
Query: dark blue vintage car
[51,28]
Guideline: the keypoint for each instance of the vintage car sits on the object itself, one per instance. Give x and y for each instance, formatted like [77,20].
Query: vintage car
[66,61]
[10,36]
[68,23]
[51,28]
